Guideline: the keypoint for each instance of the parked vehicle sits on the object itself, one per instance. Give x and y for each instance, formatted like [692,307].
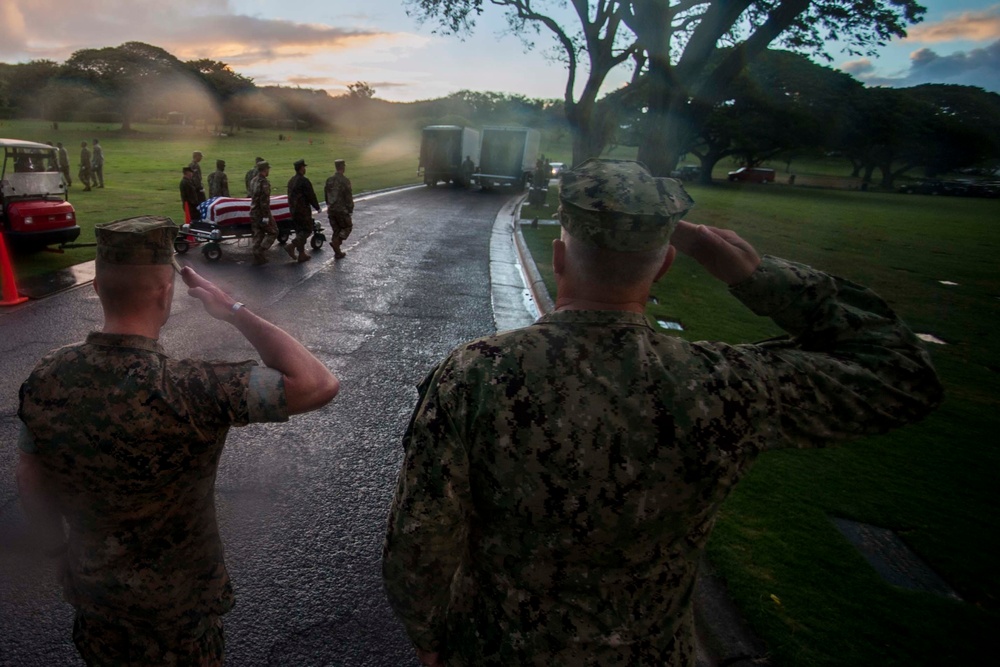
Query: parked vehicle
[752,175]
[443,149]
[687,172]
[34,202]
[953,188]
[924,187]
[557,168]
[507,156]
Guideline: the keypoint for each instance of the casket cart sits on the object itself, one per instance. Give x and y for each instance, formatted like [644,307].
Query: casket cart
[228,219]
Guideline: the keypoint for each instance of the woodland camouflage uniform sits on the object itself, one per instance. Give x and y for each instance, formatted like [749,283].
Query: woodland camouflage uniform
[195,167]
[301,201]
[130,439]
[263,227]
[218,180]
[340,207]
[560,481]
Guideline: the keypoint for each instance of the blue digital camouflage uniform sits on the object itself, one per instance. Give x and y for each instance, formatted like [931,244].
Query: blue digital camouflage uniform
[129,440]
[560,481]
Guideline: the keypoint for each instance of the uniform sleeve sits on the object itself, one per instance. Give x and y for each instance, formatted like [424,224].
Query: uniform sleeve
[427,530]
[243,393]
[850,367]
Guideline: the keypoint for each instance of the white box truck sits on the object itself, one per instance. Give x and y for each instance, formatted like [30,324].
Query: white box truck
[443,150]
[507,156]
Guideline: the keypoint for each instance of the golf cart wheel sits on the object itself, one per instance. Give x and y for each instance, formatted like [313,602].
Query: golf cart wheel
[283,236]
[317,241]
[212,252]
[181,246]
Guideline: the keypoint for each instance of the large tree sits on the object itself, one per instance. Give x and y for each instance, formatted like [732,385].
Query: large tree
[597,35]
[781,102]
[124,72]
[678,42]
[683,40]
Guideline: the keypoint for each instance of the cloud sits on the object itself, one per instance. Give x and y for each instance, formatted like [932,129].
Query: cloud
[45,29]
[858,68]
[976,67]
[977,26]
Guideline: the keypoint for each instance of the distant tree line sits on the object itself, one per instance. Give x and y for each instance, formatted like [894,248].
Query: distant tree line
[779,105]
[140,82]
[784,105]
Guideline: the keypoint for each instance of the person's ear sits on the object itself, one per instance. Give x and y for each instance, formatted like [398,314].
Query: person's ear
[558,256]
[667,262]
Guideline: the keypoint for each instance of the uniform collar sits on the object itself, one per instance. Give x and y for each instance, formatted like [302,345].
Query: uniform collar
[604,317]
[125,340]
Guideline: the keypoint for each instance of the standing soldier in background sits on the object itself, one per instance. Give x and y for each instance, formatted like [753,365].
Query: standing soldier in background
[262,224]
[301,197]
[85,166]
[64,163]
[252,174]
[97,161]
[195,168]
[218,181]
[189,196]
[468,168]
[339,207]
[122,443]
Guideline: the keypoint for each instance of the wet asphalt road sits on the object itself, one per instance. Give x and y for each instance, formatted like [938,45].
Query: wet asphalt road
[301,505]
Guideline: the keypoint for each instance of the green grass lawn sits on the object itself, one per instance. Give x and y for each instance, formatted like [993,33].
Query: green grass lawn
[933,482]
[142,170]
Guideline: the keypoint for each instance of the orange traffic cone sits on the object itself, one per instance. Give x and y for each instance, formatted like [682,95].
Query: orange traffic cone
[10,295]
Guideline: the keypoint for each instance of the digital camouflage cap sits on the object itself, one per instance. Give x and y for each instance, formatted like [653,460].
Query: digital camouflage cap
[620,205]
[136,241]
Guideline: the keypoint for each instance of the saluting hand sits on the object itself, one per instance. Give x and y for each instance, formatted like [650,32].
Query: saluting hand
[217,303]
[722,252]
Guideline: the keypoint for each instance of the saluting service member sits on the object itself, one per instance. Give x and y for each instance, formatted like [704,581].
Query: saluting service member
[560,481]
[122,442]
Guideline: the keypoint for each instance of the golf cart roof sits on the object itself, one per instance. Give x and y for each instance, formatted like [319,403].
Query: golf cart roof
[18,143]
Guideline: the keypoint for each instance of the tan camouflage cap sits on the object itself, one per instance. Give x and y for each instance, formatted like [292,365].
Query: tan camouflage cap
[143,240]
[619,205]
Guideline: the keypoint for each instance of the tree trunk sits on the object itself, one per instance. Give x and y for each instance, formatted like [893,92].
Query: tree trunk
[588,140]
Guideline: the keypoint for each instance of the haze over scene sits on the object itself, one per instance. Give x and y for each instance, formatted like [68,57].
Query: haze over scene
[328,44]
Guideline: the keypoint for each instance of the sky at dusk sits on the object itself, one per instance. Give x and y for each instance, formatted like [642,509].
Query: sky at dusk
[328,44]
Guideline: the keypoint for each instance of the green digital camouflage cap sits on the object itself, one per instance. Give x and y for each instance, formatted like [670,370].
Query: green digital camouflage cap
[619,205]
[136,241]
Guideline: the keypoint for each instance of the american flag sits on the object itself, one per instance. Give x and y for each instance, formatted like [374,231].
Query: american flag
[224,211]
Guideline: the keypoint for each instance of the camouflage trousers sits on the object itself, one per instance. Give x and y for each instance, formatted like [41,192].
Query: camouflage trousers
[340,225]
[303,228]
[102,643]
[263,232]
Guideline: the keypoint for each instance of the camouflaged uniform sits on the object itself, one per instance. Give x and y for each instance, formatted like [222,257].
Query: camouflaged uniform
[129,440]
[218,183]
[301,201]
[340,205]
[248,179]
[560,480]
[85,174]
[189,199]
[263,228]
[195,167]
[97,164]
